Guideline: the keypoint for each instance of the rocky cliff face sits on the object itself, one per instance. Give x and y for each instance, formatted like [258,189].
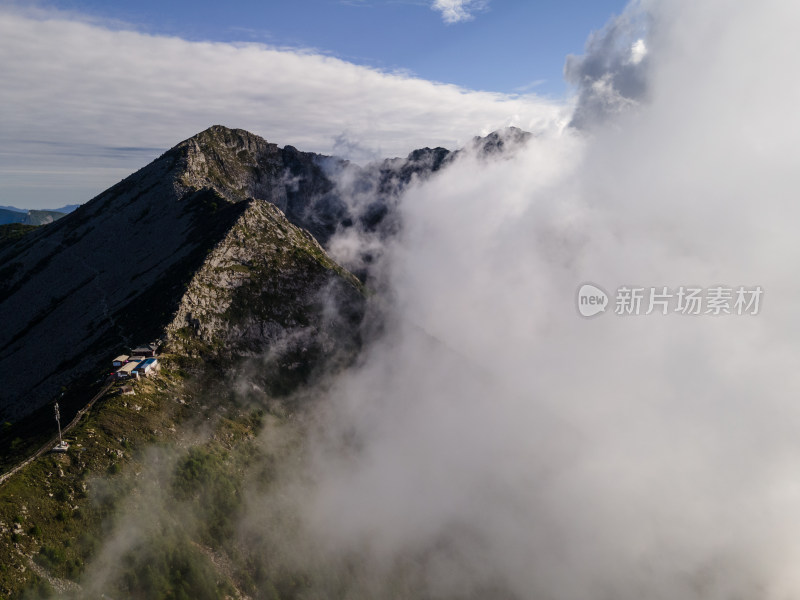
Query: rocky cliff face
[269,285]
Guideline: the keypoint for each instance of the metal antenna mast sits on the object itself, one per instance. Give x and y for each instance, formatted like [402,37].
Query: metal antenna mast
[62,446]
[58,420]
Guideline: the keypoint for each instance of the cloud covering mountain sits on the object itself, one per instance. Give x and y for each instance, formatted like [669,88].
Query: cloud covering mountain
[493,443]
[497,444]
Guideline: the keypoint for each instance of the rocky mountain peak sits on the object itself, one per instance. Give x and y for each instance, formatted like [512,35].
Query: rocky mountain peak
[234,162]
[508,138]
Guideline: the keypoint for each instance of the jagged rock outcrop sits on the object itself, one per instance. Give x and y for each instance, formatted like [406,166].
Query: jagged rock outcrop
[321,194]
[269,284]
[240,165]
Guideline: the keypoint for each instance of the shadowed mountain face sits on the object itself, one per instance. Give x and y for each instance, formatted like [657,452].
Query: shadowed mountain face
[113,273]
[80,288]
[215,247]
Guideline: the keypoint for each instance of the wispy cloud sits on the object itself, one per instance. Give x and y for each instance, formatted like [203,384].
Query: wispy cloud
[457,11]
[530,85]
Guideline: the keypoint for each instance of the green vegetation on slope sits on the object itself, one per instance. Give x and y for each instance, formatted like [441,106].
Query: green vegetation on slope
[147,501]
[45,512]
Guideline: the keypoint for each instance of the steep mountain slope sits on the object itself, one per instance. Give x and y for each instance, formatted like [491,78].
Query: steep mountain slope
[269,284]
[114,272]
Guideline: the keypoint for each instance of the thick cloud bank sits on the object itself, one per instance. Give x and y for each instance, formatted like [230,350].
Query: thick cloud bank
[495,443]
[82,105]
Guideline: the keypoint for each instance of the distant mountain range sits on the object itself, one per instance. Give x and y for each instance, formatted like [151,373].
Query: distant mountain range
[11,214]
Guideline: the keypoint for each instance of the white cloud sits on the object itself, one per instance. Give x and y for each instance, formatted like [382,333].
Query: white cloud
[457,11]
[522,449]
[73,90]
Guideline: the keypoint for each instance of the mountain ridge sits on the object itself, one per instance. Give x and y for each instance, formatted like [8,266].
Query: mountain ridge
[107,276]
[120,268]
[217,249]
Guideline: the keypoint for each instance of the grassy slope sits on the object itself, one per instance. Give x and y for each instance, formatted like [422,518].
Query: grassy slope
[59,511]
[44,510]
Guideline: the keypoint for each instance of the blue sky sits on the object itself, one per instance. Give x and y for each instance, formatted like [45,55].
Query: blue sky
[94,90]
[507,46]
